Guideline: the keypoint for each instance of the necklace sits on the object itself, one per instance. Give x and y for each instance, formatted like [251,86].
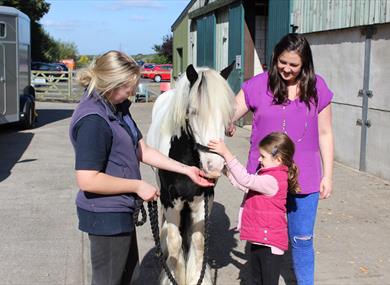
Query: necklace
[284,124]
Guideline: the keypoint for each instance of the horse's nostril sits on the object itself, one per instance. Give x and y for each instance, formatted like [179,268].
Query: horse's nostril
[209,164]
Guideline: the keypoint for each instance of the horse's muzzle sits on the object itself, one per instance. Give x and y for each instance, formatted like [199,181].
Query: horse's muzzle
[213,175]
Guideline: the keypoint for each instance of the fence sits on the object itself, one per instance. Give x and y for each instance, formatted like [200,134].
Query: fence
[55,85]
[62,86]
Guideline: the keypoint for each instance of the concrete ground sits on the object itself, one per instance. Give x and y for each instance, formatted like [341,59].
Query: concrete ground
[41,243]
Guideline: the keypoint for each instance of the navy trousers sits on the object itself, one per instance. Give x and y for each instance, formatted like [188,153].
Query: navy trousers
[113,258]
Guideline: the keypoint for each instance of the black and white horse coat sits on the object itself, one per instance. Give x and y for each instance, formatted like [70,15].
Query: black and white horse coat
[197,110]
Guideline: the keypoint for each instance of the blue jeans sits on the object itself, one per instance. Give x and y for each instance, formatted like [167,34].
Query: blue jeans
[301,213]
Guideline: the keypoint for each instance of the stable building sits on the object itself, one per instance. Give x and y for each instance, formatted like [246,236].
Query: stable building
[350,41]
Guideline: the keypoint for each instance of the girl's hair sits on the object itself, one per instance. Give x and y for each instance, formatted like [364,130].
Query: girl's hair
[307,79]
[278,144]
[108,72]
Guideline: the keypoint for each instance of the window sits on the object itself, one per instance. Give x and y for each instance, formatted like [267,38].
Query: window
[2,30]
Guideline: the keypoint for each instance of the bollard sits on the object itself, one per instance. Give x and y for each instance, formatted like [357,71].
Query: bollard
[165,86]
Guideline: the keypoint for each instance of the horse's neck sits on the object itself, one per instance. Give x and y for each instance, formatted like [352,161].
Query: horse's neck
[158,136]
[182,148]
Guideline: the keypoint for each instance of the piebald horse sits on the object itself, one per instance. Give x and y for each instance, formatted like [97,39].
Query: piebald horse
[183,121]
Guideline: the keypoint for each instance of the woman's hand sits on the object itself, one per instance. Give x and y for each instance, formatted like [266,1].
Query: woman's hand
[147,192]
[325,187]
[197,176]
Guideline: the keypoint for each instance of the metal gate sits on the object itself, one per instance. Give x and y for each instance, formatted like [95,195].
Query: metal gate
[55,85]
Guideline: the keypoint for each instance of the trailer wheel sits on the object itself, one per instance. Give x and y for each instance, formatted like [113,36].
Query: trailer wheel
[29,116]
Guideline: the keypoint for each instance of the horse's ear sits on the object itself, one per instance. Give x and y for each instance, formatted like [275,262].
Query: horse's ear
[226,72]
[192,75]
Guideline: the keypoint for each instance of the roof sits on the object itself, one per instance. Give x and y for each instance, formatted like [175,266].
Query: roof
[5,10]
[182,15]
[210,7]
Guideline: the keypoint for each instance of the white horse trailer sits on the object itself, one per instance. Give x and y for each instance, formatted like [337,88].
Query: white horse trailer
[17,96]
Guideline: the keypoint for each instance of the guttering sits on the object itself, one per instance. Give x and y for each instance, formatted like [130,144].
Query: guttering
[210,7]
[182,15]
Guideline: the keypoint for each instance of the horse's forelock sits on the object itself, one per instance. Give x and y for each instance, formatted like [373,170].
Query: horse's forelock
[214,94]
[208,94]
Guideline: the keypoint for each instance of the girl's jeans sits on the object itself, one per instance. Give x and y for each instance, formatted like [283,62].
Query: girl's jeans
[301,212]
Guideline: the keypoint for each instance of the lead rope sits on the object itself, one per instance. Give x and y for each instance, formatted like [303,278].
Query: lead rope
[139,208]
[153,216]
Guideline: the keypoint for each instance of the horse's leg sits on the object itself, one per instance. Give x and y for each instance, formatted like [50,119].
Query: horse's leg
[196,248]
[173,243]
[163,234]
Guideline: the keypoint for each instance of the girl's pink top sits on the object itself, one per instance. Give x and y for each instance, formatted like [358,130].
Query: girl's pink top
[265,184]
[268,117]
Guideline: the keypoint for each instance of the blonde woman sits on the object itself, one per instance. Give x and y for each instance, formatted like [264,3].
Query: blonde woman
[108,148]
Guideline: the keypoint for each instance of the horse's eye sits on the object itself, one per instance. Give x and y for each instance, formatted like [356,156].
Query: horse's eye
[193,112]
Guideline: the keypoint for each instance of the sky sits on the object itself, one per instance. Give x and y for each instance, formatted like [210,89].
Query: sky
[96,26]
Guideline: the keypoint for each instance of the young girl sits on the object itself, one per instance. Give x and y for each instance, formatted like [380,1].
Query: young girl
[292,98]
[262,220]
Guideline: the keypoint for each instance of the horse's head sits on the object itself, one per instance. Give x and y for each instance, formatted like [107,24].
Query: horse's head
[209,110]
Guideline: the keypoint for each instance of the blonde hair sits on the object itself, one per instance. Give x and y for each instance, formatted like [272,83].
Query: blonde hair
[279,144]
[109,71]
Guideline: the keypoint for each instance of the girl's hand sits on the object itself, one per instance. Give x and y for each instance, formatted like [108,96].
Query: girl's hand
[147,192]
[218,146]
[325,187]
[197,176]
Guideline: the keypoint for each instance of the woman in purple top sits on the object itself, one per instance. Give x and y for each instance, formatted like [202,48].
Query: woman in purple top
[292,99]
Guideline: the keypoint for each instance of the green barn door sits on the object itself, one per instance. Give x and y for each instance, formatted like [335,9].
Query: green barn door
[206,41]
[2,81]
[278,24]
[236,45]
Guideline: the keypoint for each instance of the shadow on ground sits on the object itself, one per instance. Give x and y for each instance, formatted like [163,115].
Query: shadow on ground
[12,146]
[222,243]
[14,141]
[48,116]
[222,253]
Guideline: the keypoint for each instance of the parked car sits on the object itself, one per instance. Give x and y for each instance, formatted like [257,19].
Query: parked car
[160,72]
[44,66]
[62,65]
[146,69]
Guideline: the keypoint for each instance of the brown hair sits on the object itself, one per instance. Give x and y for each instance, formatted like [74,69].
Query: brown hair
[278,144]
[307,78]
[108,72]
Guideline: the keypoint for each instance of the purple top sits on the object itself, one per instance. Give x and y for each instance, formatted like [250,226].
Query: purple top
[268,118]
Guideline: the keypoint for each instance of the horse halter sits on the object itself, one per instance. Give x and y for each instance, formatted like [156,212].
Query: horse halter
[198,146]
[203,148]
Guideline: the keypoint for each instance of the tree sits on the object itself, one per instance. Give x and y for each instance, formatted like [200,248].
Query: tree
[67,50]
[83,60]
[164,51]
[43,46]
[35,9]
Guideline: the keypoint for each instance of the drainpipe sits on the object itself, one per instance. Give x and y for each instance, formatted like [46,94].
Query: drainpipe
[368,31]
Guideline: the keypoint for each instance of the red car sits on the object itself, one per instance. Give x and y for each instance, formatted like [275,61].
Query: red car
[160,72]
[146,69]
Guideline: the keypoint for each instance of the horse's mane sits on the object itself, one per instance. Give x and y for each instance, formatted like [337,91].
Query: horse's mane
[209,93]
